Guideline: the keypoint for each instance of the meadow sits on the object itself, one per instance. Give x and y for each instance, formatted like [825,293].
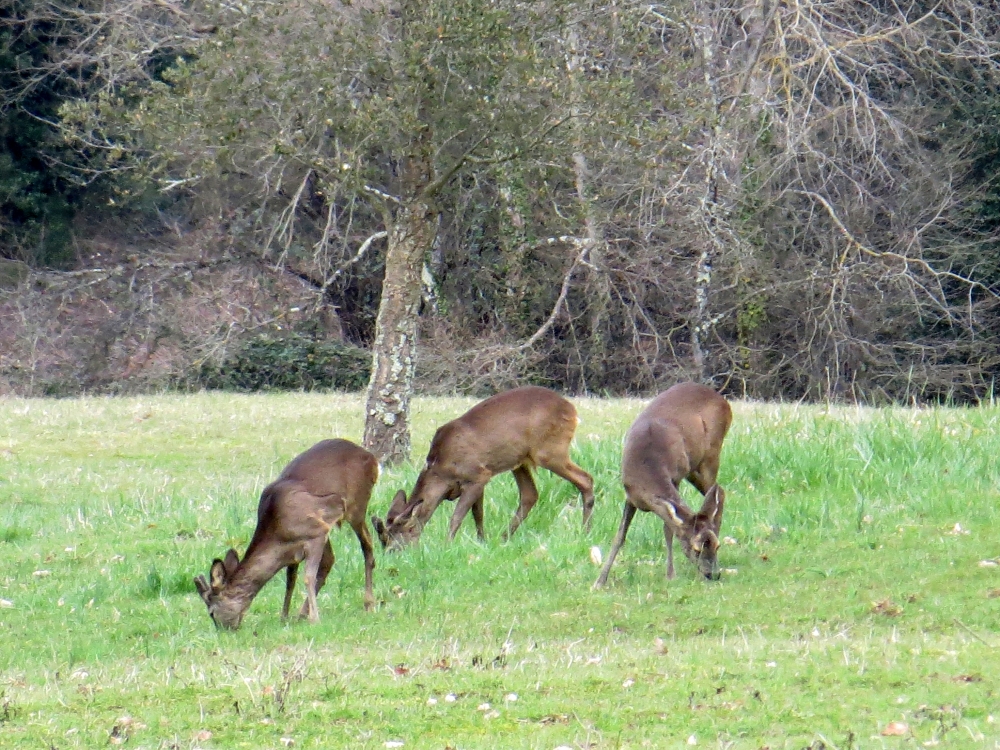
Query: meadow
[860,606]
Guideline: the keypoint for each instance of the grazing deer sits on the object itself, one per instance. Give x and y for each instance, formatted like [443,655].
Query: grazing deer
[321,488]
[513,431]
[678,436]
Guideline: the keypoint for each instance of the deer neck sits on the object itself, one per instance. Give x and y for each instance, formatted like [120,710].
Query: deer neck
[254,571]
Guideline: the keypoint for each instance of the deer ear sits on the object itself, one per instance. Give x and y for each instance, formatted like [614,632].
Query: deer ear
[397,507]
[711,509]
[232,562]
[217,574]
[380,531]
[203,588]
[679,515]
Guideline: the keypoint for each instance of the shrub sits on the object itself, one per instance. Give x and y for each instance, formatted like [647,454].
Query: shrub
[290,362]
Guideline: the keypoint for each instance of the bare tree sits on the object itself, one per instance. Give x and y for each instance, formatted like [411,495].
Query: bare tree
[824,213]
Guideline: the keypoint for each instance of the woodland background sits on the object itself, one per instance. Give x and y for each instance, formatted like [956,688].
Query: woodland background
[792,199]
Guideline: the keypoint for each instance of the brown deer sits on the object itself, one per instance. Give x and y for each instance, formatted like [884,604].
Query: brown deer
[513,431]
[321,488]
[678,436]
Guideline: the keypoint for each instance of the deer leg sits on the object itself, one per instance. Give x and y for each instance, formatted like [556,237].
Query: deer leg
[291,573]
[325,565]
[528,494]
[471,495]
[364,537]
[314,558]
[668,534]
[477,516]
[672,525]
[627,515]
[565,468]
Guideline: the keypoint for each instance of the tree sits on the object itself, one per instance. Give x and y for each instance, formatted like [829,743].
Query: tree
[826,213]
[370,113]
[56,63]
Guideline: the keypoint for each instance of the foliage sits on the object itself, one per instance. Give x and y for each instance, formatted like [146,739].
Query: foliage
[857,601]
[289,362]
[71,78]
[37,202]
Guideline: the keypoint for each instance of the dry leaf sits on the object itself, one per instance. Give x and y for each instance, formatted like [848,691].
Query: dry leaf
[886,607]
[203,735]
[967,678]
[988,563]
[595,555]
[6,604]
[992,594]
[554,719]
[896,729]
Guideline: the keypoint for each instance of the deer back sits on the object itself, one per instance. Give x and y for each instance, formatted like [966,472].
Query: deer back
[502,432]
[679,432]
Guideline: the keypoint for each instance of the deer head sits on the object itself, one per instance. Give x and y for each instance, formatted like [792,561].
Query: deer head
[406,518]
[400,528]
[226,612]
[699,532]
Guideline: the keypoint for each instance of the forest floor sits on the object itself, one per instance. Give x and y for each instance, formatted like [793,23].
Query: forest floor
[859,607]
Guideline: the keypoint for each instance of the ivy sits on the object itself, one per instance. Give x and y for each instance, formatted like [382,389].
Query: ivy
[291,362]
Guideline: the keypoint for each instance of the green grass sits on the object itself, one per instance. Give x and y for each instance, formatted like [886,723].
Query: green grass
[854,602]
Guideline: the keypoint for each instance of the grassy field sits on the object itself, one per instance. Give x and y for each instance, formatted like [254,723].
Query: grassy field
[860,608]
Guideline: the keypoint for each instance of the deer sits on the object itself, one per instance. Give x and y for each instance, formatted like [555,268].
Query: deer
[678,436]
[321,488]
[513,431]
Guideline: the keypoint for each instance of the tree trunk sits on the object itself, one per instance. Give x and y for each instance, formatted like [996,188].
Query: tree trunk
[598,291]
[387,403]
[701,323]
